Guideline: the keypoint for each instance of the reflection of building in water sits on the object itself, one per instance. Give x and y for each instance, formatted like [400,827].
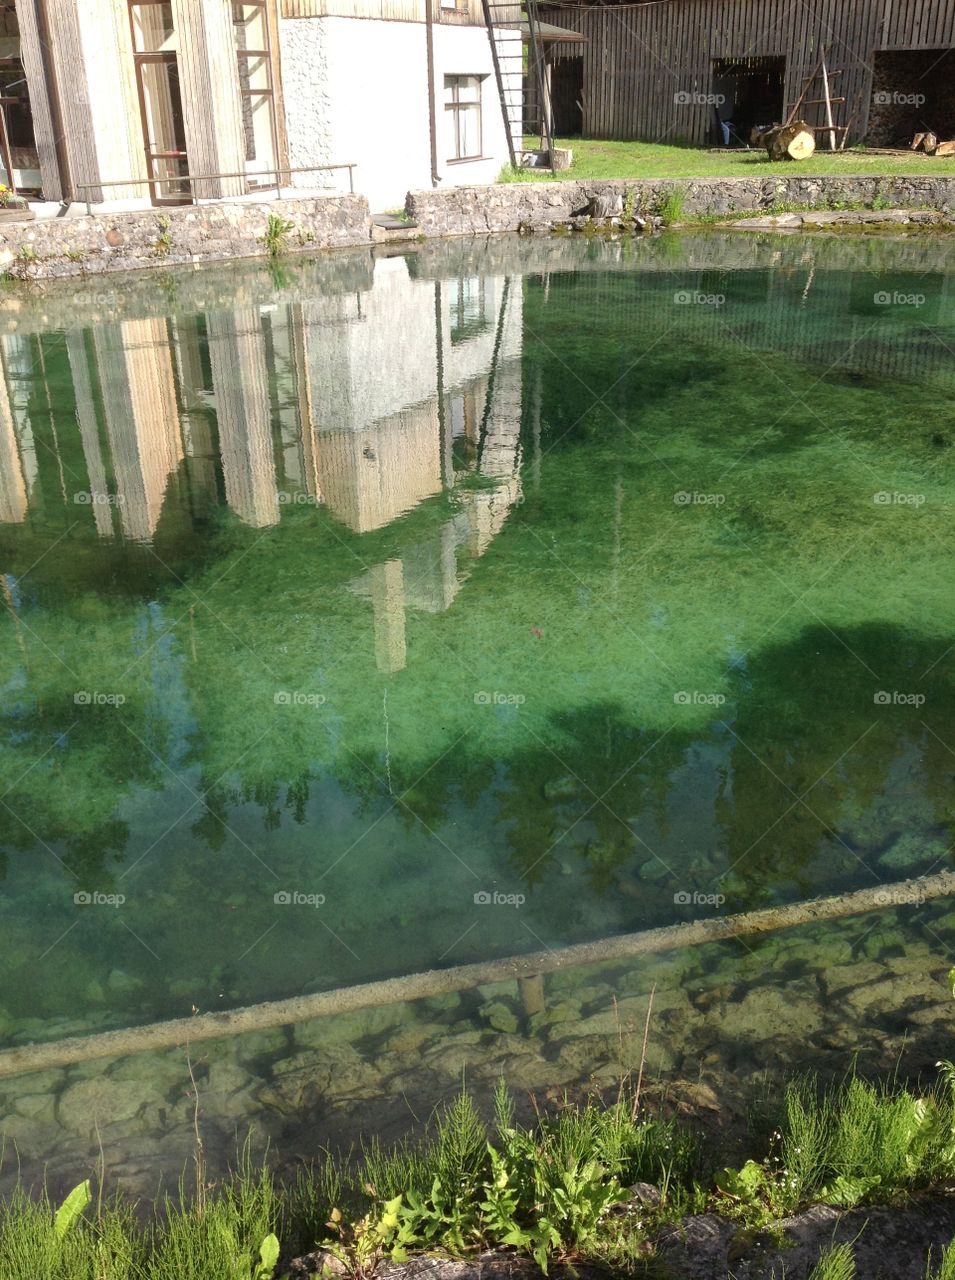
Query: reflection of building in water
[369,401]
[240,378]
[13,487]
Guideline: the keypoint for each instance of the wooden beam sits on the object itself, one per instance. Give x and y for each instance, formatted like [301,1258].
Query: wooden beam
[437,982]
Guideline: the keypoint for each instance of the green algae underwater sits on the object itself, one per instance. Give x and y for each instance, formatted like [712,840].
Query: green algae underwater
[409,612]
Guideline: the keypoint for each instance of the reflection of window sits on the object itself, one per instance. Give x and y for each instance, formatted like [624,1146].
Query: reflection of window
[153,30]
[469,309]
[462,102]
[251,27]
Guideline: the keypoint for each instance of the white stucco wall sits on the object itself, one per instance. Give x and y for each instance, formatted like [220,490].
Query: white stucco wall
[356,89]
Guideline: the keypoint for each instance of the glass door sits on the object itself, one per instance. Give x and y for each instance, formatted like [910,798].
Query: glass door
[160,100]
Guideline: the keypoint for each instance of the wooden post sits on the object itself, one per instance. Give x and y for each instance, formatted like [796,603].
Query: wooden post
[828,101]
[531,991]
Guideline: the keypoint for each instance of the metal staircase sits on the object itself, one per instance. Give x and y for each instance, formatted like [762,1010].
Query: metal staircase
[512,27]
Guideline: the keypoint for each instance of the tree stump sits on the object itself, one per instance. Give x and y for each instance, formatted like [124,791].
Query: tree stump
[796,141]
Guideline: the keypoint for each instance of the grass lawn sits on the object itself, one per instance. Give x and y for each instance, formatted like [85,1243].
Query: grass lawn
[599,158]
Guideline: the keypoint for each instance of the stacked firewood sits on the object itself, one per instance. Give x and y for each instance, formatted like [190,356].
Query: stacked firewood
[929,143]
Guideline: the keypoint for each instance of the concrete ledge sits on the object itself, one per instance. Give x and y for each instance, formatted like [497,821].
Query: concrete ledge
[48,249]
[521,206]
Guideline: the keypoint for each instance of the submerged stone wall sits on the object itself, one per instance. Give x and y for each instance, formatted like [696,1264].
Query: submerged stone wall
[51,248]
[538,205]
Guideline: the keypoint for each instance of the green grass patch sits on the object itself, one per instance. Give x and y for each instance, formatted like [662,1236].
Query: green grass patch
[556,1190]
[604,158]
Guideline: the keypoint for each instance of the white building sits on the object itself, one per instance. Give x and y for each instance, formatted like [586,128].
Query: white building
[175,100]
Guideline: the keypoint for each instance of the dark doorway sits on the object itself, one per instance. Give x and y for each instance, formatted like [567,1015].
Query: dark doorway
[567,94]
[18,153]
[913,90]
[747,92]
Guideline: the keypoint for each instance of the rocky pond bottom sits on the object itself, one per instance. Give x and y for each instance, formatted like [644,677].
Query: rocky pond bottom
[728,1022]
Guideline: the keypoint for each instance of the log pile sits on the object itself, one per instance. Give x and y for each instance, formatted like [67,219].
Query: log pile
[793,141]
[929,143]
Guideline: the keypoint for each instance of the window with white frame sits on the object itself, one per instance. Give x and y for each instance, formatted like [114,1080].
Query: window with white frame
[462,106]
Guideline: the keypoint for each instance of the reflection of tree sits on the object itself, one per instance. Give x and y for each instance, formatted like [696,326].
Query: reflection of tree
[810,727]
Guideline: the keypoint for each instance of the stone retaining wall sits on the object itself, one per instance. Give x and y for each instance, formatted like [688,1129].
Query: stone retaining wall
[65,247]
[536,205]
[51,248]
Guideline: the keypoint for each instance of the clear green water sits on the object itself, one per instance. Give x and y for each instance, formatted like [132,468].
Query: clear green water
[469,572]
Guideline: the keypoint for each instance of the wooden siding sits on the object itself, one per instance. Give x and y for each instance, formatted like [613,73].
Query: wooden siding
[638,58]
[468,12]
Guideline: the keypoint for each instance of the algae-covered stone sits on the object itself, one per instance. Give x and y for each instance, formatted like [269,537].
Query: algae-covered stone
[99,1102]
[911,852]
[500,1016]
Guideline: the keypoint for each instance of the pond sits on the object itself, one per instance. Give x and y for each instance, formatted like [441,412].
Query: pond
[371,616]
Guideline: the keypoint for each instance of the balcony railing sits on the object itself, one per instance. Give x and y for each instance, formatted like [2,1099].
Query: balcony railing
[283,171]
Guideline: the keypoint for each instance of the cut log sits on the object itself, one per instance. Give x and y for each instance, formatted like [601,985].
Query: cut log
[796,141]
[917,142]
[929,143]
[945,149]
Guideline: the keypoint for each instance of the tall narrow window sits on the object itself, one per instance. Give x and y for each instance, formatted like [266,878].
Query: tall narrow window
[251,25]
[160,99]
[462,105]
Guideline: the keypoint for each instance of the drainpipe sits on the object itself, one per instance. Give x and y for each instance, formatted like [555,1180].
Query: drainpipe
[432,122]
[56,109]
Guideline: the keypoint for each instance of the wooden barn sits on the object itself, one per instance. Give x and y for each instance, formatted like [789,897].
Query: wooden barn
[706,71]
